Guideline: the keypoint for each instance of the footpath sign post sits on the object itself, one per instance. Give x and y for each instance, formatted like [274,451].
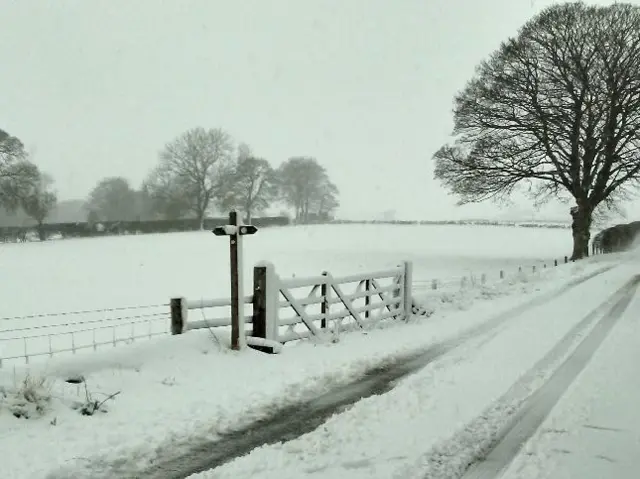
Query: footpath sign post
[235,230]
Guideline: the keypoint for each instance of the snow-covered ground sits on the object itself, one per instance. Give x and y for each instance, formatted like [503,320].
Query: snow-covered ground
[106,272]
[103,277]
[387,436]
[594,430]
[177,391]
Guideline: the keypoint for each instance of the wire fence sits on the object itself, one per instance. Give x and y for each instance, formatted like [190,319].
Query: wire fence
[23,338]
[28,337]
[473,279]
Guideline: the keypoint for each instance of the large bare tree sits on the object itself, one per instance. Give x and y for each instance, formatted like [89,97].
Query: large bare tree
[197,161]
[555,109]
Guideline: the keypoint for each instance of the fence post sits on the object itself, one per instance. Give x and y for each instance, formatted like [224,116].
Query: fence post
[178,315]
[265,307]
[408,281]
[324,306]
[367,298]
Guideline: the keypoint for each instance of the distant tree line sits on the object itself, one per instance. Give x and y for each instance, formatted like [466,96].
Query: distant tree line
[199,173]
[479,222]
[84,229]
[202,171]
[22,185]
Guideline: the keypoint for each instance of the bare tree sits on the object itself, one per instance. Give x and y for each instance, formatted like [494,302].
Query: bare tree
[168,198]
[249,187]
[17,174]
[112,199]
[327,201]
[295,176]
[303,182]
[556,109]
[197,161]
[39,202]
[244,151]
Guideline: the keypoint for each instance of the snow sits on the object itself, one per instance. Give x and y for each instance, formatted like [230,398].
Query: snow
[594,430]
[149,269]
[176,391]
[387,436]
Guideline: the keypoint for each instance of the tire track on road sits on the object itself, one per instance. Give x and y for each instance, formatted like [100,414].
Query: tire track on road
[542,402]
[487,445]
[293,421]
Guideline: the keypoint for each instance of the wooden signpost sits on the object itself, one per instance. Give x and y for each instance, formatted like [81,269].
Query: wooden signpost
[235,230]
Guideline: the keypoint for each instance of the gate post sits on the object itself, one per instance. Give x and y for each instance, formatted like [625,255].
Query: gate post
[408,282]
[265,307]
[179,313]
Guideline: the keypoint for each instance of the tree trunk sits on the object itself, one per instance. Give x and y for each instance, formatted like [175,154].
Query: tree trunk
[201,219]
[41,233]
[581,228]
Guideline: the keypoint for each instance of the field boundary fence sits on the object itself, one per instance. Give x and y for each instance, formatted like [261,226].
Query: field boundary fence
[278,311]
[318,307]
[48,334]
[472,279]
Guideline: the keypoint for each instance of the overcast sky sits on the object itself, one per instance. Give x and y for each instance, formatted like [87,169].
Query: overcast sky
[96,87]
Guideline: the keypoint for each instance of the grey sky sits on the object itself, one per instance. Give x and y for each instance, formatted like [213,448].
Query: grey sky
[366,86]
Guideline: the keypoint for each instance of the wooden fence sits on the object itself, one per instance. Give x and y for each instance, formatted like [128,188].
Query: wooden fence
[279,313]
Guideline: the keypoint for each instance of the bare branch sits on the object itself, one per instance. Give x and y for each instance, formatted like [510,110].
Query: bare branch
[556,109]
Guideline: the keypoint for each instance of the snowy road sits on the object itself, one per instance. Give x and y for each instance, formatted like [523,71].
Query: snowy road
[594,430]
[401,432]
[295,421]
[535,409]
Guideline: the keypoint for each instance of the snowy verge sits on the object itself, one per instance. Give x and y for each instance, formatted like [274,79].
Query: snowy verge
[380,435]
[450,458]
[593,432]
[180,390]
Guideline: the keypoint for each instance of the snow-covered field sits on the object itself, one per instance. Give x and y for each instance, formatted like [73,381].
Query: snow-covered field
[177,391]
[103,277]
[147,269]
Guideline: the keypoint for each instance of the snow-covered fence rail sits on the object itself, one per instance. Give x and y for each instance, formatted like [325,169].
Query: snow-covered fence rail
[49,334]
[334,304]
[279,310]
[329,305]
[472,279]
[182,321]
